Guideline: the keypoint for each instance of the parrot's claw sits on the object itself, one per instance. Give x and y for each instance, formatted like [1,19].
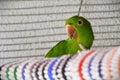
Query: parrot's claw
[82,47]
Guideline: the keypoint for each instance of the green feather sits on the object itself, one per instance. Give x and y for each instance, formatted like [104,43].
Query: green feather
[71,45]
[58,49]
[68,46]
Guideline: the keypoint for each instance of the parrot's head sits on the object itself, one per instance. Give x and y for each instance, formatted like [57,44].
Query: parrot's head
[77,25]
[79,28]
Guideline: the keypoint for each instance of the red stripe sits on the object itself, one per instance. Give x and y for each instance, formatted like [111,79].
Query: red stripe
[109,60]
[81,63]
[119,65]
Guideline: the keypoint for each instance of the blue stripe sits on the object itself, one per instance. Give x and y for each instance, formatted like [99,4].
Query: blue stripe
[50,69]
[23,71]
[89,66]
[100,65]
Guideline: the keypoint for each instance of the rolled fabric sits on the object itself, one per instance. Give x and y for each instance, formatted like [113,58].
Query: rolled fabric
[85,65]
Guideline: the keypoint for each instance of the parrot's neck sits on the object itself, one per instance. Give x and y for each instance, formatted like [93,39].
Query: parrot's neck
[74,41]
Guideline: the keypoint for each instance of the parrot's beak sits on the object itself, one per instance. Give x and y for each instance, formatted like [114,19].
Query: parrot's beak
[71,32]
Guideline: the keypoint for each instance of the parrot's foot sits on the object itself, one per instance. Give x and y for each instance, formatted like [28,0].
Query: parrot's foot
[82,47]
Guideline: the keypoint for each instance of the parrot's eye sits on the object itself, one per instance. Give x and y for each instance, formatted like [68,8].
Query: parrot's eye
[80,22]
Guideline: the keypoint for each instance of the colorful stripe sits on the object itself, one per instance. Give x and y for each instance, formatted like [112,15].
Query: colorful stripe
[81,64]
[50,69]
[90,64]
[108,63]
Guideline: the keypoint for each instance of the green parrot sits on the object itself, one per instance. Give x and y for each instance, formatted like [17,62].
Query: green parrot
[80,37]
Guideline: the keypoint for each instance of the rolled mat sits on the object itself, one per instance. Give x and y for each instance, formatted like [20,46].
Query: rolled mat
[84,65]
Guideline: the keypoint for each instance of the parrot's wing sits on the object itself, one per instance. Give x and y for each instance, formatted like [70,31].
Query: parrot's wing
[58,50]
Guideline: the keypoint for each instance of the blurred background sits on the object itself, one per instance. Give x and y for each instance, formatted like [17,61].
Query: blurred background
[29,28]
